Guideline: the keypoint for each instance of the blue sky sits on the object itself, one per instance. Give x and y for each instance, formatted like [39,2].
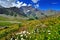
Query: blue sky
[45,4]
[40,4]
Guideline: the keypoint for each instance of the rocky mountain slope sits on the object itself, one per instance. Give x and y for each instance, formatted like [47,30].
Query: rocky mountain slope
[27,11]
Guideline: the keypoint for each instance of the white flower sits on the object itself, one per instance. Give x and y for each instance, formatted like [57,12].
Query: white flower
[37,25]
[28,33]
[24,32]
[48,30]
[49,33]
[38,30]
[15,39]
[22,39]
[21,35]
[11,38]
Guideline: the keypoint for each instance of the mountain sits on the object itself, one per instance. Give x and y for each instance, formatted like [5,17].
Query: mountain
[27,11]
[31,12]
[1,6]
[11,11]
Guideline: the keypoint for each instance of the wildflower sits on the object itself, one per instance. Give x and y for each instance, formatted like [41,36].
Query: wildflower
[48,30]
[11,38]
[21,35]
[15,39]
[49,33]
[22,39]
[18,33]
[24,32]
[28,33]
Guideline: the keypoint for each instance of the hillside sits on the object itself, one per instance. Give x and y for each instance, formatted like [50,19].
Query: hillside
[43,29]
[28,23]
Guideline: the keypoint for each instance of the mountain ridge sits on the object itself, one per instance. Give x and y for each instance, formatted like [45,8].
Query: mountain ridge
[27,11]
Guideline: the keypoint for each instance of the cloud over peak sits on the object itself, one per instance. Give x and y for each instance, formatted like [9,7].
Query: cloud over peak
[7,3]
[19,4]
[35,1]
[12,3]
[36,6]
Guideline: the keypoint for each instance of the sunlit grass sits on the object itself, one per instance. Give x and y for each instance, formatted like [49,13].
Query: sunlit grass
[44,29]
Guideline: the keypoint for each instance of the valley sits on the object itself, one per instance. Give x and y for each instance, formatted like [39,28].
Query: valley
[47,28]
[28,23]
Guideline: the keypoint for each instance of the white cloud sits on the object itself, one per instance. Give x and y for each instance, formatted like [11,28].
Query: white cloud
[35,1]
[53,3]
[29,4]
[10,3]
[24,4]
[19,4]
[7,3]
[36,6]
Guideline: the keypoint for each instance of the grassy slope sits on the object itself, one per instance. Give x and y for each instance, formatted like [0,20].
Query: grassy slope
[48,28]
[5,22]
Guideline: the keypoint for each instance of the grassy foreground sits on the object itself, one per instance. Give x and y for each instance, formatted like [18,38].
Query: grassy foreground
[44,29]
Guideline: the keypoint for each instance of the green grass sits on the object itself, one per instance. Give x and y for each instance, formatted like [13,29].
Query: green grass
[9,30]
[46,29]
[5,24]
[3,18]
